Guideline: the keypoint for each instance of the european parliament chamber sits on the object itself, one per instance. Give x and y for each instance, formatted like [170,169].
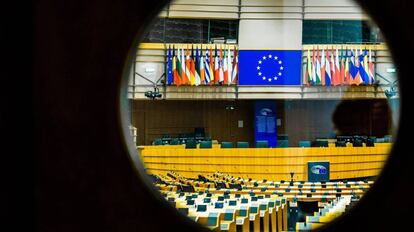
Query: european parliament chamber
[263,115]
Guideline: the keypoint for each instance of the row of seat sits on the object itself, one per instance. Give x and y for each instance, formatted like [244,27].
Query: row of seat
[306,190]
[217,176]
[242,144]
[325,214]
[192,143]
[232,212]
[258,206]
[220,180]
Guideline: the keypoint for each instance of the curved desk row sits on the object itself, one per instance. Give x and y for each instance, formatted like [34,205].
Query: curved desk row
[265,163]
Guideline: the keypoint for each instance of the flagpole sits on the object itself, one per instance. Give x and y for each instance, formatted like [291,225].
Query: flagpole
[165,66]
[237,81]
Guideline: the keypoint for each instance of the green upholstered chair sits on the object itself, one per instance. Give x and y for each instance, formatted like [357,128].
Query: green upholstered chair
[229,215]
[226,145]
[206,144]
[282,143]
[321,143]
[243,212]
[242,144]
[357,143]
[388,138]
[157,142]
[304,143]
[370,142]
[262,144]
[213,221]
[254,209]
[340,144]
[190,144]
[201,208]
[175,141]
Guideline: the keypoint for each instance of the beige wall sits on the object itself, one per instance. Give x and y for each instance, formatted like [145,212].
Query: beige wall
[278,34]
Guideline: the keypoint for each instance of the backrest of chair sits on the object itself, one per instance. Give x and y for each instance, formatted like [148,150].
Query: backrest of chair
[370,142]
[201,208]
[242,144]
[157,142]
[226,145]
[190,144]
[243,212]
[212,219]
[340,144]
[253,209]
[282,143]
[175,141]
[206,144]
[357,143]
[304,143]
[218,205]
[262,144]
[228,216]
[321,143]
[277,202]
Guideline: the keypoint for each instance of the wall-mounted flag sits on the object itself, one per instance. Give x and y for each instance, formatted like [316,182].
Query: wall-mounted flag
[235,69]
[270,67]
[207,67]
[169,67]
[328,77]
[371,68]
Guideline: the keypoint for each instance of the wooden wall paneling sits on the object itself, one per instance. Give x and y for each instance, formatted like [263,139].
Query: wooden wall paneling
[300,119]
[154,118]
[308,119]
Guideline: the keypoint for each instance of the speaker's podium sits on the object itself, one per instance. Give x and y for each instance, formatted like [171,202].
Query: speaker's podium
[318,171]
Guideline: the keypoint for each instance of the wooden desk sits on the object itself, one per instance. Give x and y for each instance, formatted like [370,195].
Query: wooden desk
[265,163]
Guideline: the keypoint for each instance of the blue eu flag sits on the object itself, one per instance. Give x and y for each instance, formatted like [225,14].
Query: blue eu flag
[270,67]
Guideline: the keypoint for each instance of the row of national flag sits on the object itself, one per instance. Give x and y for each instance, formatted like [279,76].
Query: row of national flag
[344,67]
[192,67]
